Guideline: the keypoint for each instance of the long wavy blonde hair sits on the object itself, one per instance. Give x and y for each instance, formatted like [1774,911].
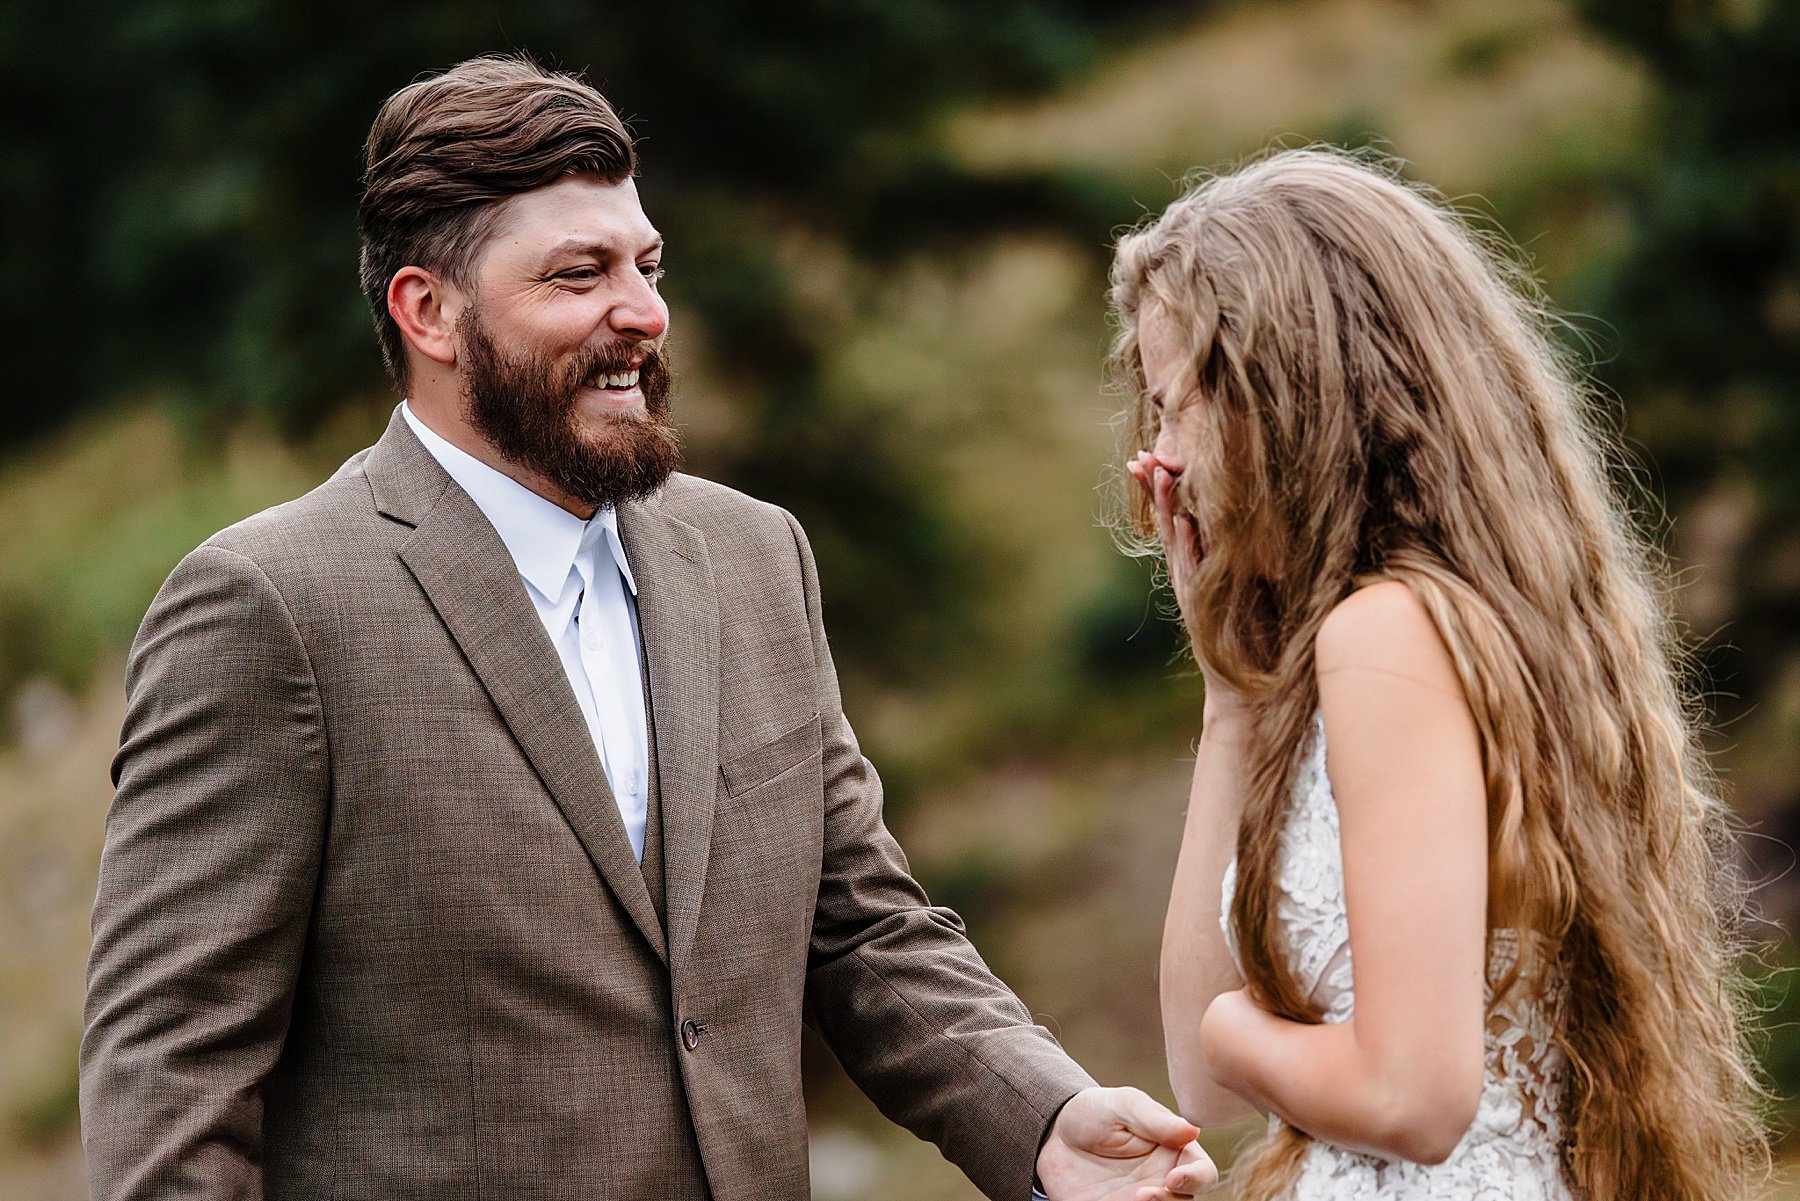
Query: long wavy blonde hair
[1381,397]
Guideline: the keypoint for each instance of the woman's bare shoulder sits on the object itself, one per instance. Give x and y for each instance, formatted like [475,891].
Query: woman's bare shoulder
[1384,627]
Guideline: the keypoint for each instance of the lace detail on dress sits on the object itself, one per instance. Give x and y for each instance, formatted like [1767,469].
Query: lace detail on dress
[1512,1151]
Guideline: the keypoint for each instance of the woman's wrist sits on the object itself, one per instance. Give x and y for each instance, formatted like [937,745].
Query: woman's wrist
[1219,1037]
[1223,717]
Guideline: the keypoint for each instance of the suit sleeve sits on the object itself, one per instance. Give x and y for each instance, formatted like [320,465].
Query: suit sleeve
[894,986]
[212,852]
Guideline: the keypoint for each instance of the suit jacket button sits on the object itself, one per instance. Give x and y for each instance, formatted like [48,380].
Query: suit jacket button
[690,1034]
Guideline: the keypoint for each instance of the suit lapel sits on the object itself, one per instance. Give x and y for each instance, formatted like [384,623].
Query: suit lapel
[678,615]
[472,582]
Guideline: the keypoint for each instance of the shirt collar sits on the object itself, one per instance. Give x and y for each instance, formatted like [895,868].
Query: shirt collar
[543,538]
[605,527]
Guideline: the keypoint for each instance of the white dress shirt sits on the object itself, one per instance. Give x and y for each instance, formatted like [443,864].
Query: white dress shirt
[577,577]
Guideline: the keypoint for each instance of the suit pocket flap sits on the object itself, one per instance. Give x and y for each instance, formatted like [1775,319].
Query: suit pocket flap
[769,760]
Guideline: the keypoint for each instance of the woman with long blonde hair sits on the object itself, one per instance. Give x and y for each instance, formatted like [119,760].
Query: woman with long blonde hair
[1452,905]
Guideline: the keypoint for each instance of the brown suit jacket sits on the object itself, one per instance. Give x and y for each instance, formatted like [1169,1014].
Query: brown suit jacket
[369,925]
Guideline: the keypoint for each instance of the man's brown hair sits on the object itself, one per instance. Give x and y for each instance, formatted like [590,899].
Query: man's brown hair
[445,150]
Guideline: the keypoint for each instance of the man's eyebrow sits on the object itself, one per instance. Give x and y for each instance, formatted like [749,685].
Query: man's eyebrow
[599,250]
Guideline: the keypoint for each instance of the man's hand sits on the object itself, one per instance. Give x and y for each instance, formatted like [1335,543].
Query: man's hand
[1116,1144]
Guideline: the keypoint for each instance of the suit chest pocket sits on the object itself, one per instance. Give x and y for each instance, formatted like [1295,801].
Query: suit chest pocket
[768,831]
[756,767]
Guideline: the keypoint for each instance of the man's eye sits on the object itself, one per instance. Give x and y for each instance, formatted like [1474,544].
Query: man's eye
[652,271]
[579,274]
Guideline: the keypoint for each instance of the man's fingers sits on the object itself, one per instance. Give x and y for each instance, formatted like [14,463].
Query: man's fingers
[1147,1118]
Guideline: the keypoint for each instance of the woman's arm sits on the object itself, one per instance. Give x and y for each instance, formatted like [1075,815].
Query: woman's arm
[1403,1076]
[1196,964]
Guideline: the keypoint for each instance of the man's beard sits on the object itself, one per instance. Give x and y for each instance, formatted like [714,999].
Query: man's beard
[525,407]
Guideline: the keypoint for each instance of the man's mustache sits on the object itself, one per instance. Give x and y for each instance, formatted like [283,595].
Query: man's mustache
[618,356]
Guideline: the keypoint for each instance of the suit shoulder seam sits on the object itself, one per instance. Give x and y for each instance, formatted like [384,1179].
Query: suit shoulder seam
[312,674]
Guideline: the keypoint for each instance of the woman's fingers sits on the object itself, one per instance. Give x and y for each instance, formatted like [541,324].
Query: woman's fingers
[1175,528]
[1194,1173]
[1141,465]
[1162,495]
[1187,544]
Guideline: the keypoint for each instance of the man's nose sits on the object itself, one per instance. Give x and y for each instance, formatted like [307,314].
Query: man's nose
[641,313]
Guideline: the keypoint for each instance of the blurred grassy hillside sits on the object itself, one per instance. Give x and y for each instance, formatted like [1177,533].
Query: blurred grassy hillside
[902,344]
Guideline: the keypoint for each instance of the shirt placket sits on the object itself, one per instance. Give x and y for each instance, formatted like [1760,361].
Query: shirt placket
[606,637]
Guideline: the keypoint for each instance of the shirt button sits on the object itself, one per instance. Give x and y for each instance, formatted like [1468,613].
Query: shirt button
[690,1034]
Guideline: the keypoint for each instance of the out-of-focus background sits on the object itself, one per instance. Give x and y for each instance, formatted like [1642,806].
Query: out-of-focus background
[888,227]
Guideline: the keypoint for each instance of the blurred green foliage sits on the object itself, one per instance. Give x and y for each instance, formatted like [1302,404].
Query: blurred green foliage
[178,190]
[180,217]
[181,206]
[1778,1006]
[1704,294]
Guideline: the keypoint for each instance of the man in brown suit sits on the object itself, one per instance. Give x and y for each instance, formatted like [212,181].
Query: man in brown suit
[487,821]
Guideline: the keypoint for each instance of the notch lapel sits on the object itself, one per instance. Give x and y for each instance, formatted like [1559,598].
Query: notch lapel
[473,584]
[678,617]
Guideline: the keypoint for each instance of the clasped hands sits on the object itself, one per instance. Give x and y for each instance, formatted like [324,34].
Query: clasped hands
[1117,1144]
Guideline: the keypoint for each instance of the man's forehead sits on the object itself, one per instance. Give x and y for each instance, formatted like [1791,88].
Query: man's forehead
[575,214]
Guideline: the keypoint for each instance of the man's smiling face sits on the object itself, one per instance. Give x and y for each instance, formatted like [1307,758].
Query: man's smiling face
[560,344]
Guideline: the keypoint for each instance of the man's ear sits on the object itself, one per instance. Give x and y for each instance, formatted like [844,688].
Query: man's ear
[425,307]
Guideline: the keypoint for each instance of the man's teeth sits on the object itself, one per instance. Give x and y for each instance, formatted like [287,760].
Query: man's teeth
[622,379]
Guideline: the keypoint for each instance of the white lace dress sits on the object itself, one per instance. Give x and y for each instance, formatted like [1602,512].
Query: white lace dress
[1510,1152]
